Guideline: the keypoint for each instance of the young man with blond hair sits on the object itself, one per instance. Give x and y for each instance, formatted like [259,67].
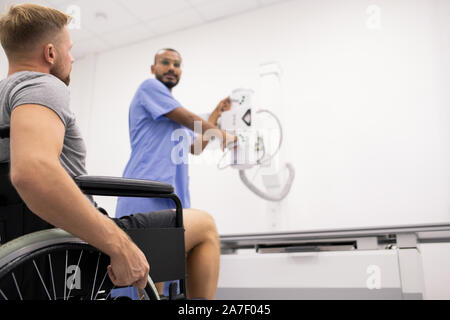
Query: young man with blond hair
[46,150]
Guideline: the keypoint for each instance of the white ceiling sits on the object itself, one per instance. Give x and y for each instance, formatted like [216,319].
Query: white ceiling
[108,24]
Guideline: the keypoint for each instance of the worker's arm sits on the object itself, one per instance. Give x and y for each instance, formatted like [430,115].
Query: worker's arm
[37,136]
[188,119]
[224,105]
[201,141]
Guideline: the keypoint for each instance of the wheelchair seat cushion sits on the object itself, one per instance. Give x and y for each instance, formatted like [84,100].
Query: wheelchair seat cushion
[156,219]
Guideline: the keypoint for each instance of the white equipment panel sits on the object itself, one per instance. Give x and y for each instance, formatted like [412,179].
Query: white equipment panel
[343,264]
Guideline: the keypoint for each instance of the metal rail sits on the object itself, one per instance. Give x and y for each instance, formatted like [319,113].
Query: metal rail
[426,233]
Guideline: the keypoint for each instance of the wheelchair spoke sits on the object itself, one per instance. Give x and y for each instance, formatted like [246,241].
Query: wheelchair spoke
[42,280]
[17,287]
[51,272]
[75,275]
[65,278]
[95,276]
[99,288]
[110,293]
[3,295]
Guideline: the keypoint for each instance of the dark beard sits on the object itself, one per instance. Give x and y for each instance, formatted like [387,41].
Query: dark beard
[66,80]
[169,85]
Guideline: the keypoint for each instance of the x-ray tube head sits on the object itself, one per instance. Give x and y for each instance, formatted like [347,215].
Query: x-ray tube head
[239,121]
[250,150]
[240,116]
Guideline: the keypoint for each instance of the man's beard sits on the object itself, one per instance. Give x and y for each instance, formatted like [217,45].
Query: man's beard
[168,84]
[66,80]
[55,72]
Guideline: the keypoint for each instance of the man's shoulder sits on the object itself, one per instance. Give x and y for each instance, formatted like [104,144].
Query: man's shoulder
[152,84]
[51,81]
[39,89]
[37,80]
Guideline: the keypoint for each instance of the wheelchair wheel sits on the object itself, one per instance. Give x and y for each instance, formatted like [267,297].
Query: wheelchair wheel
[54,265]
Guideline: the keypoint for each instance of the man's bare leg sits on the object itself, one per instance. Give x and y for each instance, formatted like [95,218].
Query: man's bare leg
[203,254]
[160,287]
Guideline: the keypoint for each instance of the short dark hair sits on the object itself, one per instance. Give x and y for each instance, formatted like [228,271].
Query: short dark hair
[165,49]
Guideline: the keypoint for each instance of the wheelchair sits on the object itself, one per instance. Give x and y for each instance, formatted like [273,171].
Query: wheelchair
[40,262]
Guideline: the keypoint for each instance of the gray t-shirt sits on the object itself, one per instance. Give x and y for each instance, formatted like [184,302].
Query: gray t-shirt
[46,90]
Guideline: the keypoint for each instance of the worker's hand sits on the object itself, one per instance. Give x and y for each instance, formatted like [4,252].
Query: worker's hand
[228,140]
[129,268]
[224,105]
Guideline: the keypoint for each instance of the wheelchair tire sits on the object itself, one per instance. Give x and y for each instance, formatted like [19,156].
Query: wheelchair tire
[54,265]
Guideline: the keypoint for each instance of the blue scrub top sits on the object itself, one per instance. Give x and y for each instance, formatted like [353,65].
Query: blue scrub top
[159,148]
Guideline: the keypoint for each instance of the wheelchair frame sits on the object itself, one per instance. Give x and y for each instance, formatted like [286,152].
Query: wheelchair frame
[156,243]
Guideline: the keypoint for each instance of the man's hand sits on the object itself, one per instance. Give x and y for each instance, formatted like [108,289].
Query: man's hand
[129,268]
[223,106]
[37,136]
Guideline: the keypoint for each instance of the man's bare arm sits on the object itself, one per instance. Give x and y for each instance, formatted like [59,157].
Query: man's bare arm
[37,136]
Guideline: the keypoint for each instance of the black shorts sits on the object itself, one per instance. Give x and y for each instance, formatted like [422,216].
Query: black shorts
[155,219]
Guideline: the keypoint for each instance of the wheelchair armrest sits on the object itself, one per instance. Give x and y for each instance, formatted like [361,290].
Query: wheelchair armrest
[113,186]
[124,187]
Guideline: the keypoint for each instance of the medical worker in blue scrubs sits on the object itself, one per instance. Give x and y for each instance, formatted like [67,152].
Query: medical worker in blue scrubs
[161,136]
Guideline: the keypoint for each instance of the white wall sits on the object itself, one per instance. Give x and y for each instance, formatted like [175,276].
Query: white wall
[365,111]
[366,114]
